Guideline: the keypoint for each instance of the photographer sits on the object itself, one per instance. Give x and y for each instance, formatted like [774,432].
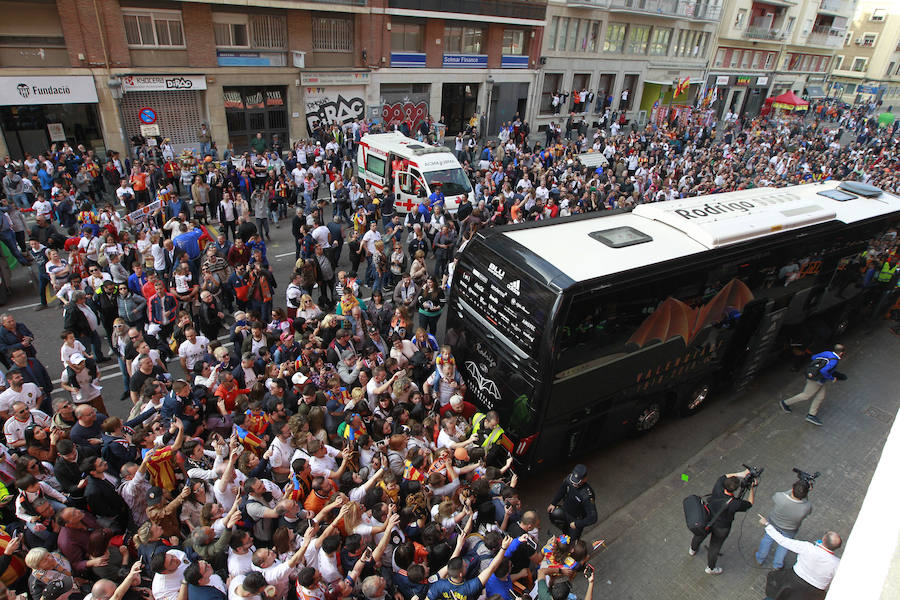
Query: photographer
[791,507]
[725,501]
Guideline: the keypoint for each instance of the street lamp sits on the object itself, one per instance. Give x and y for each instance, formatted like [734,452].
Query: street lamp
[114,83]
[487,116]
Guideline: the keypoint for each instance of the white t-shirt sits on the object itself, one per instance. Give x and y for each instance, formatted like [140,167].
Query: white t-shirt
[29,395]
[369,240]
[165,587]
[236,581]
[14,429]
[66,351]
[42,207]
[192,352]
[240,564]
[320,234]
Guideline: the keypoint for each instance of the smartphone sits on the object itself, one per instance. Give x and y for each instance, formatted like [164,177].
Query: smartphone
[588,570]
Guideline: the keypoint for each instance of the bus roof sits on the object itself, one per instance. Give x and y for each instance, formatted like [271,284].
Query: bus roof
[590,248]
[425,156]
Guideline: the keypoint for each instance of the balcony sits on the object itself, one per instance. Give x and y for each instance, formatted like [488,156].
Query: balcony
[763,33]
[826,36]
[838,8]
[678,9]
[519,9]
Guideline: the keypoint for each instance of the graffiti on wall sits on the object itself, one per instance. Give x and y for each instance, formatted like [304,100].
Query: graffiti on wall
[404,110]
[333,105]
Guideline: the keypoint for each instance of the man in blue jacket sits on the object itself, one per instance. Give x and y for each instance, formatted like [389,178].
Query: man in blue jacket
[815,385]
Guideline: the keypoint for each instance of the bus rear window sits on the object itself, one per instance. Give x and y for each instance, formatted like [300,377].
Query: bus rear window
[514,304]
[375,165]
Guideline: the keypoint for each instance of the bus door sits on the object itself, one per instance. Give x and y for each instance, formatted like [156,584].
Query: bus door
[409,188]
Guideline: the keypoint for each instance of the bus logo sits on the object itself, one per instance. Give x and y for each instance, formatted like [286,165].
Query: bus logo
[482,383]
[496,271]
[513,286]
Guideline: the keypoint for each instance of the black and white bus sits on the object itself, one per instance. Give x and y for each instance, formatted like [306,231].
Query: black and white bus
[581,329]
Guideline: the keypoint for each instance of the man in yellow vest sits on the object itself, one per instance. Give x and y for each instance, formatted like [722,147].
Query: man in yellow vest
[488,434]
[886,274]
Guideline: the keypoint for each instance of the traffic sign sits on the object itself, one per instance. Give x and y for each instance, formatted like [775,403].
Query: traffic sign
[147,116]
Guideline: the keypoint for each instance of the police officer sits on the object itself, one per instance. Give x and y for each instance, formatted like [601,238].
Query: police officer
[572,508]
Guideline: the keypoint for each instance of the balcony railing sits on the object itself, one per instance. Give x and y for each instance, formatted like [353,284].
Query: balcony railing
[763,33]
[826,36]
[837,7]
[690,9]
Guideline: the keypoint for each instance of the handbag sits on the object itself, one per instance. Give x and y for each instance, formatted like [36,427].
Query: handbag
[242,292]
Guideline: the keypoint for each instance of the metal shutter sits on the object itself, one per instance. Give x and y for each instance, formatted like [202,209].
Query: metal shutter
[178,115]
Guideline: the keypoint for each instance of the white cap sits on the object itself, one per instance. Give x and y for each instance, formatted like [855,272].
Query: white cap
[77,358]
[299,379]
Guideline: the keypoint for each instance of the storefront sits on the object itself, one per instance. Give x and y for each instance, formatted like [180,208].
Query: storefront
[38,111]
[256,109]
[740,94]
[408,102]
[176,102]
[334,97]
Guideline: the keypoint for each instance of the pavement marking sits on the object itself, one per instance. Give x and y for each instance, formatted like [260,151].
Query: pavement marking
[23,306]
[284,254]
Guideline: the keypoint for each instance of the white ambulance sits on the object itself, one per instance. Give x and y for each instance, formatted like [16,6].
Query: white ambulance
[412,170]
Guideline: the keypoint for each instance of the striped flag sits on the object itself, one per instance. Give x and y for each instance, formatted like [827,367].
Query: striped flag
[249,440]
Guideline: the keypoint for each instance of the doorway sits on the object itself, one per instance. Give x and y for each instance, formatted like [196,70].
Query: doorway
[507,101]
[458,104]
[604,92]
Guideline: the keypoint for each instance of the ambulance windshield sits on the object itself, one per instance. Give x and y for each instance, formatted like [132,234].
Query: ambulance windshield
[453,182]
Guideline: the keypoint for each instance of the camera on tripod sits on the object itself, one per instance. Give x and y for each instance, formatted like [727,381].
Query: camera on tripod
[804,476]
[752,477]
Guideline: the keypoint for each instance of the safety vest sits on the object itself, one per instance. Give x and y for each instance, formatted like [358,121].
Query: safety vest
[495,434]
[887,272]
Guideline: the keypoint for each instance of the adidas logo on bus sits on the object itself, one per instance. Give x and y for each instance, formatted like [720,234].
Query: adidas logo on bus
[513,286]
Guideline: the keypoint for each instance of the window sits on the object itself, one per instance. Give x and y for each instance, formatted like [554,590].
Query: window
[868,39]
[332,34]
[552,84]
[790,24]
[847,38]
[637,40]
[574,24]
[594,37]
[878,15]
[702,42]
[838,60]
[859,64]
[406,36]
[770,59]
[375,164]
[615,38]
[562,34]
[153,28]
[230,30]
[740,18]
[463,39]
[736,58]
[720,57]
[850,88]
[514,42]
[268,31]
[759,60]
[745,62]
[551,35]
[659,41]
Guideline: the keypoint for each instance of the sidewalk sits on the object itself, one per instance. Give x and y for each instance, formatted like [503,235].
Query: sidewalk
[647,555]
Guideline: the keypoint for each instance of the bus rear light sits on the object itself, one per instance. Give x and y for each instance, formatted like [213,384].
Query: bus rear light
[524,444]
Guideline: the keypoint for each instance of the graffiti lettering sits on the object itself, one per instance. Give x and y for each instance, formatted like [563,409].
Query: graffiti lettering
[338,110]
[414,113]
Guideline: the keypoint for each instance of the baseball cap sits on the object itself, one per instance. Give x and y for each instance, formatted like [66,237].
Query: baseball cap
[287,335]
[578,475]
[77,358]
[154,496]
[299,379]
[461,454]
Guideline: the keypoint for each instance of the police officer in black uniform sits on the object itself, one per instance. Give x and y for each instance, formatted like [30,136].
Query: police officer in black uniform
[572,508]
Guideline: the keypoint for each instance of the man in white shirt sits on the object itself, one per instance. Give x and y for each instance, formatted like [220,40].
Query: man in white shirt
[90,244]
[192,349]
[19,391]
[299,174]
[815,567]
[42,207]
[124,192]
[20,418]
[169,568]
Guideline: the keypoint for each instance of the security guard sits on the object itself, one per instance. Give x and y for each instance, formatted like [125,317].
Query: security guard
[572,508]
[487,431]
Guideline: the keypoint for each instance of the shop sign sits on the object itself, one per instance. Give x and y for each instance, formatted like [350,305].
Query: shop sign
[466,61]
[162,83]
[65,89]
[722,80]
[333,105]
[149,130]
[320,79]
[743,80]
[868,89]
[249,59]
[57,132]
[508,61]
[760,81]
[407,59]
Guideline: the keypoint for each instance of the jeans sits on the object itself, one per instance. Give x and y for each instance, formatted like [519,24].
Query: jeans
[93,341]
[21,200]
[126,380]
[42,283]
[8,237]
[204,148]
[765,545]
[262,224]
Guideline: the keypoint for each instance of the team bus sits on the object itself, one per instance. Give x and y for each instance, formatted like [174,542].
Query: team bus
[581,329]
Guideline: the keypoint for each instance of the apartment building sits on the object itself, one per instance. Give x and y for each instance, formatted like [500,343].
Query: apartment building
[767,47]
[100,72]
[867,66]
[630,54]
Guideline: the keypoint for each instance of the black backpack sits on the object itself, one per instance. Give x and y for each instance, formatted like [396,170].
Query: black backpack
[697,515]
[815,367]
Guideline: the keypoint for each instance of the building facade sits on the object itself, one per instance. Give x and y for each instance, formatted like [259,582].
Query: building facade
[767,47]
[867,66]
[99,73]
[626,54]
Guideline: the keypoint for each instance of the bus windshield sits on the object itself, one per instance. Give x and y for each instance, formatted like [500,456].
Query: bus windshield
[453,181]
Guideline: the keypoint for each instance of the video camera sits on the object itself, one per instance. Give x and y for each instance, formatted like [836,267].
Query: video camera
[804,476]
[752,477]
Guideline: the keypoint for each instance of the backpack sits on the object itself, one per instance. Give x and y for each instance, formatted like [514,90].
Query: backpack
[697,515]
[813,370]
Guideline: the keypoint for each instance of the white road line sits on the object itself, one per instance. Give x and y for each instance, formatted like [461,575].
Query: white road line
[23,306]
[284,254]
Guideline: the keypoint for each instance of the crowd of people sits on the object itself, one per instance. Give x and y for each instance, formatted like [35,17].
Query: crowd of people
[321,446]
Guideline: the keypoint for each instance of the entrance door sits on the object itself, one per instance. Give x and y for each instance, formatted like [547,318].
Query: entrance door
[604,90]
[458,103]
[252,110]
[410,189]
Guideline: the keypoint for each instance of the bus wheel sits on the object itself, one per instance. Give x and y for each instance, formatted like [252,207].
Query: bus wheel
[648,417]
[696,399]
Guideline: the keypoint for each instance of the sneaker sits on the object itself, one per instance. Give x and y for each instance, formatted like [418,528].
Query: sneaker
[716,571]
[691,551]
[784,406]
[814,420]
